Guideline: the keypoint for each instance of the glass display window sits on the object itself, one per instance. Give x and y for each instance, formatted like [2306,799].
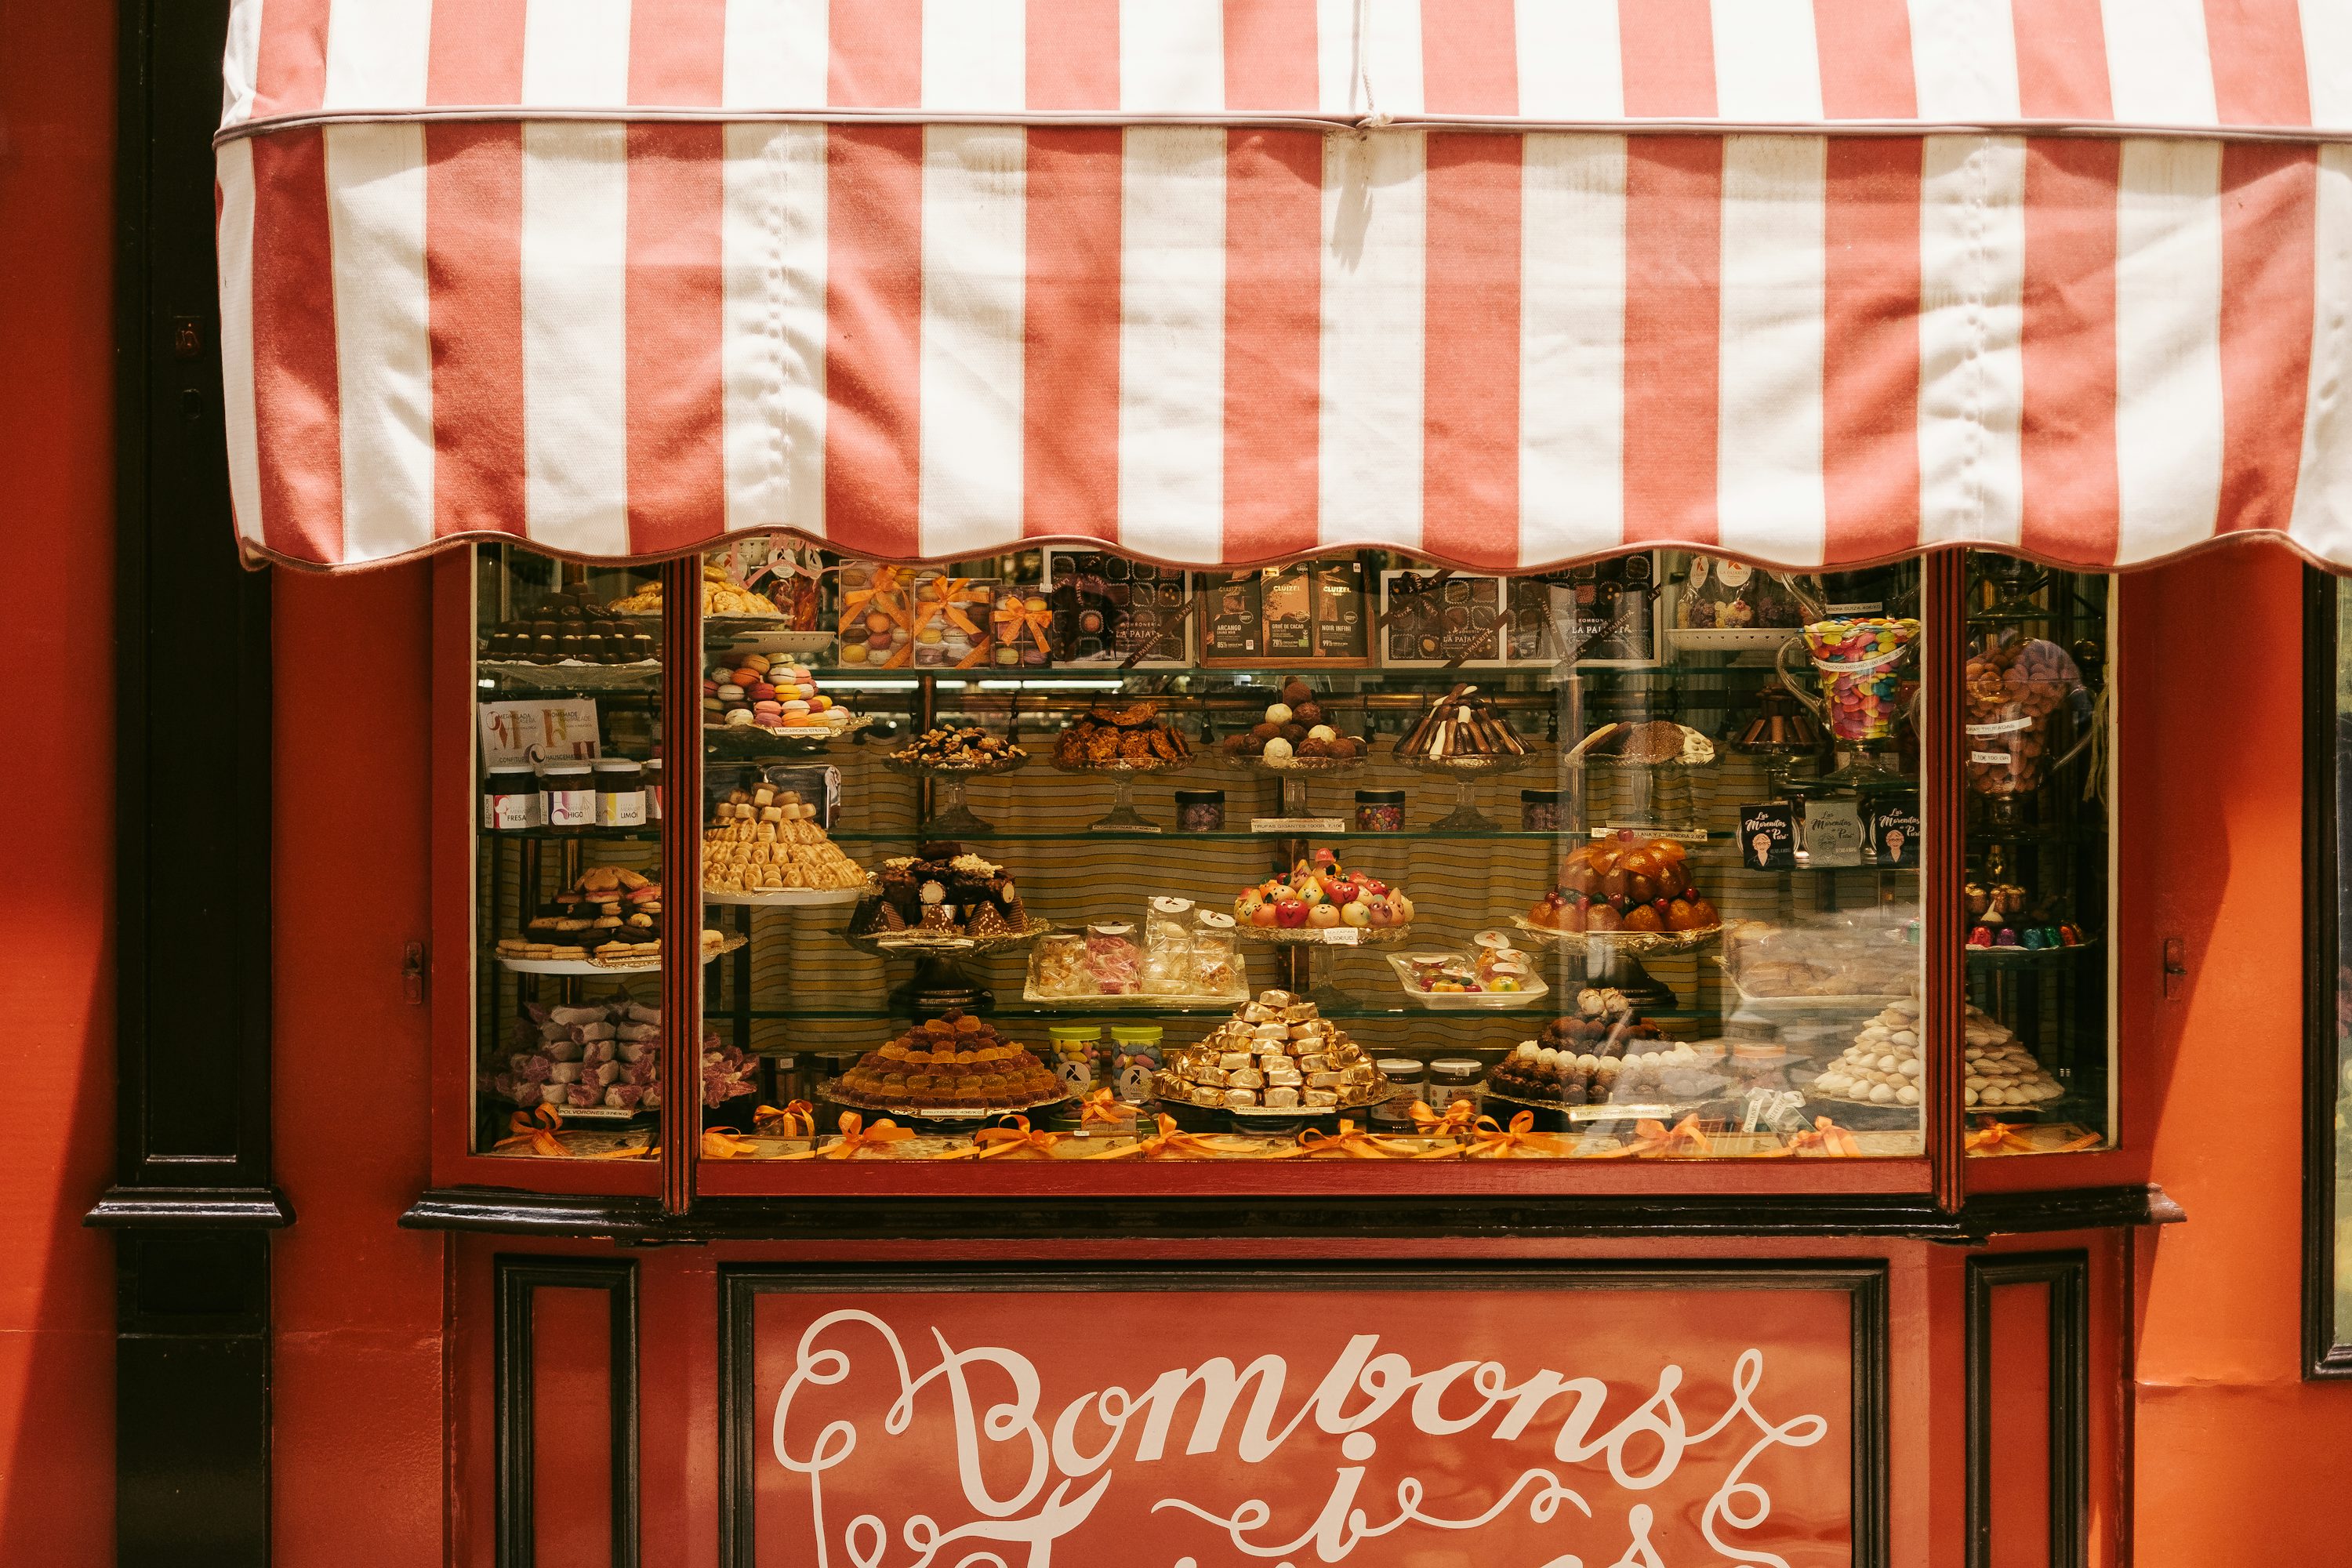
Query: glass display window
[567,895]
[2327,1094]
[1063,856]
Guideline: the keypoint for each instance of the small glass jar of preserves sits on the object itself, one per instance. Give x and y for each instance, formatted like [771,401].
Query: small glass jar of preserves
[1539,810]
[653,772]
[620,793]
[1408,1081]
[1456,1078]
[1380,811]
[567,795]
[509,799]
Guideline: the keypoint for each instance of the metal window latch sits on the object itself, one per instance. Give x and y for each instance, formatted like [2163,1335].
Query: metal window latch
[2176,965]
[188,337]
[412,973]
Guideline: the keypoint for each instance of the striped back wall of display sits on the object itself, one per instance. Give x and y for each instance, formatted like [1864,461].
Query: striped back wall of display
[1504,285]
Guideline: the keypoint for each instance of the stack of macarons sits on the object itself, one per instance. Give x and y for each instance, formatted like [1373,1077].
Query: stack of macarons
[771,695]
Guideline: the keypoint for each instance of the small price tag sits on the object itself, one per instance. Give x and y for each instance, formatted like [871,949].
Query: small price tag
[1344,936]
[1299,826]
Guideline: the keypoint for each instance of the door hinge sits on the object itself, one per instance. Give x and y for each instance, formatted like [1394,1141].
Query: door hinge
[2176,965]
[412,973]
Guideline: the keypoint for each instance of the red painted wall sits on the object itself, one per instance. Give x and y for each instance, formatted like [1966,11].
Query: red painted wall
[57,1305]
[2234,1447]
[357,1376]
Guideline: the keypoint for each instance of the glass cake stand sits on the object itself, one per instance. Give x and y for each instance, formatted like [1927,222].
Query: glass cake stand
[1124,818]
[951,815]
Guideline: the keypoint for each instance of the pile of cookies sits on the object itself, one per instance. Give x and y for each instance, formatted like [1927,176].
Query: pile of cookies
[958,746]
[772,694]
[1883,1065]
[764,839]
[955,1062]
[1129,734]
[608,915]
[1277,1053]
[723,594]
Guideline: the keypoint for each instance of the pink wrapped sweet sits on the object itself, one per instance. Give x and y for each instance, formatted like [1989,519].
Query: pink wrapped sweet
[653,1097]
[631,1050]
[623,1097]
[503,1086]
[595,1053]
[535,1070]
[1114,960]
[604,1075]
[563,1072]
[565,1050]
[582,1096]
[526,1096]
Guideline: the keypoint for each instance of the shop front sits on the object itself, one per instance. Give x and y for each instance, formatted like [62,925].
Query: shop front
[1208,784]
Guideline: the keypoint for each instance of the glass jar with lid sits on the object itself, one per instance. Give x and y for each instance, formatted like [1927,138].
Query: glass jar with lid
[1136,1057]
[1408,1081]
[567,795]
[1457,1078]
[620,792]
[1076,1055]
[509,799]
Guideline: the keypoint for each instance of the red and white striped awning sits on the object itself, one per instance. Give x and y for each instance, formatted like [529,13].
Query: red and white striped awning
[1505,283]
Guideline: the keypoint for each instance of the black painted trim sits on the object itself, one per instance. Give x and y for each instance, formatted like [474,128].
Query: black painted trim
[515,1281]
[850,1216]
[2067,1273]
[202,1209]
[740,1286]
[2325,1353]
[192,1202]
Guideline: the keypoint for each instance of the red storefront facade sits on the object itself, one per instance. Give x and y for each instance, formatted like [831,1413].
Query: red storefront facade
[378,1350]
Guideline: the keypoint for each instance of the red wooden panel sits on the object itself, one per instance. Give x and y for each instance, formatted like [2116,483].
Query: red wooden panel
[572,1426]
[2020,1424]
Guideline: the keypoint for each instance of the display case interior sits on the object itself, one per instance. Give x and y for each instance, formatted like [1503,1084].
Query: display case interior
[1061,854]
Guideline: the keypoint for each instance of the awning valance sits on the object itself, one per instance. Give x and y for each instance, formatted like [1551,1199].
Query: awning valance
[934,279]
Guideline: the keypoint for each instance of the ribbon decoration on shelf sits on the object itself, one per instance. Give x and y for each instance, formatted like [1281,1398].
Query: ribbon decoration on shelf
[1496,1142]
[1104,1108]
[1654,1139]
[1353,1144]
[1172,1140]
[856,1136]
[797,1119]
[1017,1140]
[1460,1119]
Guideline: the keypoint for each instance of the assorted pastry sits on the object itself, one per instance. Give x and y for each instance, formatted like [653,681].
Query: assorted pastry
[764,839]
[2004,913]
[1493,968]
[1627,883]
[1579,1054]
[1457,725]
[958,746]
[1319,894]
[1120,735]
[943,890]
[723,594]
[771,695]
[1883,1065]
[1295,728]
[1653,741]
[954,1062]
[1277,1053]
[1185,952]
[609,914]
[570,627]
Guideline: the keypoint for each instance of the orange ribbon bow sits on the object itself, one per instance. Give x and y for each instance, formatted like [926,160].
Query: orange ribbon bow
[797,1119]
[536,1130]
[1826,1138]
[1997,1137]
[1003,1142]
[1461,1117]
[854,1136]
[1104,1108]
[1654,1138]
[885,595]
[722,1143]
[1172,1140]
[1008,621]
[1351,1144]
[947,597]
[1495,1142]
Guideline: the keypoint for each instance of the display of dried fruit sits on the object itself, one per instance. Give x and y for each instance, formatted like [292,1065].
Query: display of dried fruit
[1458,724]
[1116,735]
[1625,883]
[1295,728]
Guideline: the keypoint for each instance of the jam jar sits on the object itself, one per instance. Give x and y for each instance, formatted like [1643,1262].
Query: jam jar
[509,799]
[567,795]
[1539,810]
[1201,810]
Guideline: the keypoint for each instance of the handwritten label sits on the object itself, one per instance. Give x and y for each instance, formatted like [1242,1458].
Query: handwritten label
[1343,936]
[947,1428]
[2006,727]
[1299,826]
[1994,759]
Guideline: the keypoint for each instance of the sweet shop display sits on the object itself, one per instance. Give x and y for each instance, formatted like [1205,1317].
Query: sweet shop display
[1319,894]
[1494,974]
[1449,619]
[771,695]
[1129,735]
[943,891]
[723,594]
[1641,887]
[2004,917]
[1295,731]
[764,841]
[1883,1065]
[1275,1054]
[965,748]
[952,1063]
[2010,688]
[1656,742]
[1824,960]
[570,627]
[1109,610]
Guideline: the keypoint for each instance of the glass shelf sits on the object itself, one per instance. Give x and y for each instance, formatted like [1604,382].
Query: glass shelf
[1545,1008]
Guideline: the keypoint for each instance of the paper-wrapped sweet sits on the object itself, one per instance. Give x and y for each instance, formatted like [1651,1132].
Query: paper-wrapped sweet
[1277,1053]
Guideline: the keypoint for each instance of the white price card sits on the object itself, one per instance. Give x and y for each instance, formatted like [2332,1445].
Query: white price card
[517,734]
[1343,936]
